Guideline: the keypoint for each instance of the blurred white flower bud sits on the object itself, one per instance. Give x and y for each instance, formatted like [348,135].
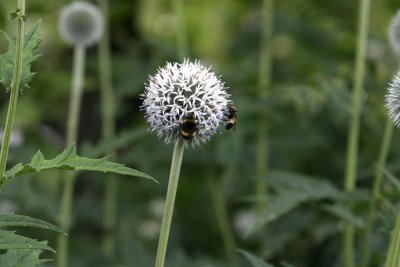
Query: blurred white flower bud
[81,24]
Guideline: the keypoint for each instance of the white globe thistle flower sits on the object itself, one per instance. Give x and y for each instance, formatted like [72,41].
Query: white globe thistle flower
[81,24]
[182,92]
[393,99]
[394,34]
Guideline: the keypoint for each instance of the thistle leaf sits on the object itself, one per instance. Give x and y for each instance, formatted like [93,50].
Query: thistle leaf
[22,258]
[68,160]
[10,240]
[7,60]
[8,219]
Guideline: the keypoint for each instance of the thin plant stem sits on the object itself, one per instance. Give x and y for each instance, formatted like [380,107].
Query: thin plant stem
[14,91]
[353,137]
[264,84]
[223,221]
[170,201]
[71,136]
[181,36]
[376,192]
[108,129]
[393,256]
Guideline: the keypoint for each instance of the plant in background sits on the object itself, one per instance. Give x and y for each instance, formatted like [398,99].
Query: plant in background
[184,103]
[393,106]
[394,117]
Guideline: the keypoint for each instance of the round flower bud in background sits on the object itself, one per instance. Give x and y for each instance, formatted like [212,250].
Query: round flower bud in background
[394,34]
[393,99]
[183,93]
[81,24]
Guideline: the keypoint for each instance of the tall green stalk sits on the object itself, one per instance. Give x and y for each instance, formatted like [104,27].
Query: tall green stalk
[71,136]
[223,221]
[393,256]
[352,145]
[108,129]
[170,201]
[376,192]
[14,91]
[264,83]
[181,36]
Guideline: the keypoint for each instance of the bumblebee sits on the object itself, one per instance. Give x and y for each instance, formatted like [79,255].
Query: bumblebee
[232,117]
[189,127]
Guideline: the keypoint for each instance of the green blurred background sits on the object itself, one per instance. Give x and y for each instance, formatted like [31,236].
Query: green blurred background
[308,107]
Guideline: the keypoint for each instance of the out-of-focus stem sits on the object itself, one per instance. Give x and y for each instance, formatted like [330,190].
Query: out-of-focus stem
[264,83]
[71,136]
[393,256]
[221,214]
[181,35]
[376,192]
[352,144]
[108,129]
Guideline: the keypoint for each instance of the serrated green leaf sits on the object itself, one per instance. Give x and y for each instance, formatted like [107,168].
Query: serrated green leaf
[10,240]
[7,60]
[22,258]
[8,219]
[68,160]
[255,261]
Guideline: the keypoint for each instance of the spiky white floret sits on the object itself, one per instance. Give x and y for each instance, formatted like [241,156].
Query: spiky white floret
[393,99]
[179,90]
[81,23]
[394,34]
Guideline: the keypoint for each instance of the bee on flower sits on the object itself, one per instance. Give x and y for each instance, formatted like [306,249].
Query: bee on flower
[185,100]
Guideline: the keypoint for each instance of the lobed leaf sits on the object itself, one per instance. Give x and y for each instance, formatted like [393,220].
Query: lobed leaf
[10,240]
[9,219]
[69,160]
[7,60]
[22,258]
[255,261]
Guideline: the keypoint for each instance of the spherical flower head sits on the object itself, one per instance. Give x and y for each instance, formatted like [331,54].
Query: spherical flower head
[394,34]
[393,99]
[185,90]
[81,24]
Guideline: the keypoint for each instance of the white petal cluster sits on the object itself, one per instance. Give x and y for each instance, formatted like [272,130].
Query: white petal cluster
[179,90]
[393,99]
[394,34]
[81,23]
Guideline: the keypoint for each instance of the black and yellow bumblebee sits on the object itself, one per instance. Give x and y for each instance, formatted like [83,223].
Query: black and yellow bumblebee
[189,127]
[232,117]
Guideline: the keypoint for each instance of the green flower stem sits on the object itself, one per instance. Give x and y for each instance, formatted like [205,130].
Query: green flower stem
[12,106]
[181,37]
[72,132]
[223,221]
[264,83]
[376,192]
[108,129]
[352,145]
[393,256]
[169,201]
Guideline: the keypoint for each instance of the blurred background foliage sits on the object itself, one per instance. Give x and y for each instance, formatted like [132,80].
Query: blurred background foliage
[308,108]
